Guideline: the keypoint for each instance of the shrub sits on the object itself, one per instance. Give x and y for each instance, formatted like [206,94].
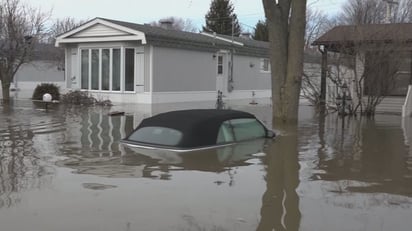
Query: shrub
[83,98]
[44,88]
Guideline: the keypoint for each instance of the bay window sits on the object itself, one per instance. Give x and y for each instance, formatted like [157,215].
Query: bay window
[104,69]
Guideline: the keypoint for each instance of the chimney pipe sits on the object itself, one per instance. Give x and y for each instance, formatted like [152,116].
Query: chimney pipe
[166,24]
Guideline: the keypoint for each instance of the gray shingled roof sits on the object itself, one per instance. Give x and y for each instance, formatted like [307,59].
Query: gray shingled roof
[368,33]
[187,40]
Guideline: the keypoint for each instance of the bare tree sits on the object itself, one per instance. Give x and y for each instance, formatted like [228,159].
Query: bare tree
[59,27]
[20,28]
[311,89]
[317,23]
[357,12]
[63,25]
[403,11]
[177,24]
[379,75]
[286,20]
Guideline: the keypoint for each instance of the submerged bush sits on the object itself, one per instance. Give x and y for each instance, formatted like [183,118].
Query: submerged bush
[83,98]
[44,88]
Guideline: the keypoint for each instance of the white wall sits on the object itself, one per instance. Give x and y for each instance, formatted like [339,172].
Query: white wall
[177,70]
[248,76]
[32,74]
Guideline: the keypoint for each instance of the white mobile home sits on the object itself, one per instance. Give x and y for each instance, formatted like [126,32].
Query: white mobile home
[133,63]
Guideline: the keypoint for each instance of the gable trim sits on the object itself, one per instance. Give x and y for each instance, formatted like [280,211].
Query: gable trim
[136,35]
[101,39]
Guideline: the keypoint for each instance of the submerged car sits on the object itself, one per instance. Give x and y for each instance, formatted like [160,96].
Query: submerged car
[191,130]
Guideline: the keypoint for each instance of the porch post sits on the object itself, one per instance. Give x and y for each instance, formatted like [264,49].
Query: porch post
[410,71]
[324,69]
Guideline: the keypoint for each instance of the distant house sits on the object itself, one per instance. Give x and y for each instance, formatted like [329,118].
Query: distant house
[393,40]
[34,73]
[127,62]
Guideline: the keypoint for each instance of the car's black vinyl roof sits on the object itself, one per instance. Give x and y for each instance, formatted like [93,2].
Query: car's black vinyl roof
[199,126]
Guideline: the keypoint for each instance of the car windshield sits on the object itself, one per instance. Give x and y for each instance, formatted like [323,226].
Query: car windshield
[157,135]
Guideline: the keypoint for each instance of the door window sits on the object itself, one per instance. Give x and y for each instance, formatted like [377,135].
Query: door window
[220,64]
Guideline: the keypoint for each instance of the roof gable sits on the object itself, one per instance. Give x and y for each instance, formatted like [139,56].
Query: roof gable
[98,30]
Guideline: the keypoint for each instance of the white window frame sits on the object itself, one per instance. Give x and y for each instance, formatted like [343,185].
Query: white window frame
[122,68]
[220,56]
[265,66]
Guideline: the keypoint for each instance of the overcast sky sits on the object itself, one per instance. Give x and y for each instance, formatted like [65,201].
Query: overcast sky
[144,11]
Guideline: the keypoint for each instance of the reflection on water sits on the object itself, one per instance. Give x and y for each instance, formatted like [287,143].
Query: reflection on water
[91,144]
[325,174]
[363,150]
[22,166]
[280,202]
[213,160]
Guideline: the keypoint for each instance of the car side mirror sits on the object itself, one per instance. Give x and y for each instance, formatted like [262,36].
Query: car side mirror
[270,134]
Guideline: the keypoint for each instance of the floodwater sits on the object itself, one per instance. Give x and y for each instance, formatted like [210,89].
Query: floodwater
[64,169]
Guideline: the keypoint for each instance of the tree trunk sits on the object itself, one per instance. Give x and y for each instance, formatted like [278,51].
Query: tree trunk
[287,21]
[5,87]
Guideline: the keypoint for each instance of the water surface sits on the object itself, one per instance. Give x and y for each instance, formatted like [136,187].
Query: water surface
[64,169]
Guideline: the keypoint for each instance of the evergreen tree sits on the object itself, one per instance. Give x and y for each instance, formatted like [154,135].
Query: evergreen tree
[261,31]
[220,17]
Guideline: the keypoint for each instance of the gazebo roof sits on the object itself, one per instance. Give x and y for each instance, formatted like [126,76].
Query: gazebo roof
[347,36]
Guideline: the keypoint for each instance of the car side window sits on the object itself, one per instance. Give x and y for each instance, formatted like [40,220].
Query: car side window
[157,135]
[240,130]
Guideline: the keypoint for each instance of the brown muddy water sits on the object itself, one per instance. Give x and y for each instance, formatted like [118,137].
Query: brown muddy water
[65,169]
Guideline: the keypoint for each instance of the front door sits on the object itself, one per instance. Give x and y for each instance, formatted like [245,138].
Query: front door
[73,78]
[222,72]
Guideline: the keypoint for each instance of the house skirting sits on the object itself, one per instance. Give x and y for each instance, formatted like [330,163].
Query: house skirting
[261,96]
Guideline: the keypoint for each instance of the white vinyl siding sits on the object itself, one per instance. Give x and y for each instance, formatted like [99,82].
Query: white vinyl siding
[99,30]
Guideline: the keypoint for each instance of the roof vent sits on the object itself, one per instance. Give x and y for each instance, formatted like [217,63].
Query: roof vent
[246,35]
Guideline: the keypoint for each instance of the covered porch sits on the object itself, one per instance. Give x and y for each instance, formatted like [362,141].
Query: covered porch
[380,56]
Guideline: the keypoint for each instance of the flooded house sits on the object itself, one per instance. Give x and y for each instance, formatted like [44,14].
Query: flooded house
[134,63]
[381,60]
